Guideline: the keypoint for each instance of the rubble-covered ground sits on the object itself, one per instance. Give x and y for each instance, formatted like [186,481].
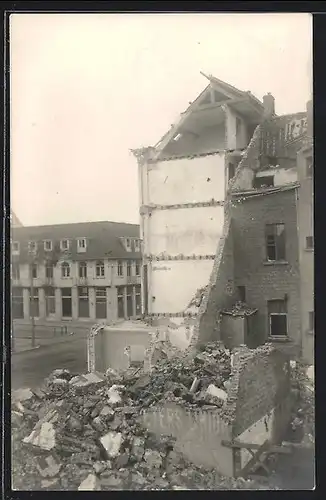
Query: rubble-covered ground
[80,432]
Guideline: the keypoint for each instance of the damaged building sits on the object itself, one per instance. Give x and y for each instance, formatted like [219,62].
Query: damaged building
[227,238]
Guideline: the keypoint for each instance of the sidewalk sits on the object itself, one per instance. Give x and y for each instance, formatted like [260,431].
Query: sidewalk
[24,344]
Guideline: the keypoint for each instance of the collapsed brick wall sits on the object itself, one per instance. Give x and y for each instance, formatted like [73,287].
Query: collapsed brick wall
[267,281]
[198,434]
[221,292]
[260,384]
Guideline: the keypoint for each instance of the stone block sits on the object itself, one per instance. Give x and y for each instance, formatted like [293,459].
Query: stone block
[214,391]
[111,443]
[43,437]
[91,483]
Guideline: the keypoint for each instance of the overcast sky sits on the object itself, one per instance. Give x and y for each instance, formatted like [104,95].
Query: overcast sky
[87,88]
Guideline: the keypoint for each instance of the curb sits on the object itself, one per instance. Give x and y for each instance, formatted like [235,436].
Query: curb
[13,353]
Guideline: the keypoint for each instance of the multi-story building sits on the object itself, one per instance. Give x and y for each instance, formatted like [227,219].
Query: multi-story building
[85,271]
[219,222]
[306,241]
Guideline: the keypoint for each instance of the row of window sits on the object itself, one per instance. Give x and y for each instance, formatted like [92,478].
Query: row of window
[65,245]
[82,270]
[129,302]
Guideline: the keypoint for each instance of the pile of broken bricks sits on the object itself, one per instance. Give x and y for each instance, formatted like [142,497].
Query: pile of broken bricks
[82,433]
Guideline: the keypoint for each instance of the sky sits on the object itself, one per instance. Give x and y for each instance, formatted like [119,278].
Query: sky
[87,88]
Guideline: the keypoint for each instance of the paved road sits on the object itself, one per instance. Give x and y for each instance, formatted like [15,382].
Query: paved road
[28,369]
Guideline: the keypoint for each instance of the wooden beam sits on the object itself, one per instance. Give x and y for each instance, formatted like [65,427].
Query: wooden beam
[255,459]
[285,450]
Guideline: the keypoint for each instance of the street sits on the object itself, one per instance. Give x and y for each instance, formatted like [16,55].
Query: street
[28,369]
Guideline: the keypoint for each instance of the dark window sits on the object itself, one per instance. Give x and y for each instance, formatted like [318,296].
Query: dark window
[120,268]
[275,242]
[64,244]
[65,270]
[129,268]
[100,271]
[277,314]
[309,242]
[83,302]
[32,246]
[311,321]
[272,161]
[15,272]
[49,300]
[121,313]
[238,125]
[309,166]
[82,269]
[100,296]
[137,269]
[66,302]
[17,303]
[15,246]
[34,303]
[34,271]
[49,271]
[242,293]
[266,181]
[231,170]
[48,245]
[129,302]
[138,300]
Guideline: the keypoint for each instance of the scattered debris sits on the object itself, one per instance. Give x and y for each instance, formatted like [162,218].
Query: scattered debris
[81,432]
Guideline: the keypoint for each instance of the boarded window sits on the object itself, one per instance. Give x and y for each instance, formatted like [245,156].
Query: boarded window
[121,313]
[17,307]
[83,302]
[277,312]
[49,300]
[275,242]
[100,300]
[66,302]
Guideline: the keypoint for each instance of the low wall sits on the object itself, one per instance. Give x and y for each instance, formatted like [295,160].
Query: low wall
[258,408]
[198,434]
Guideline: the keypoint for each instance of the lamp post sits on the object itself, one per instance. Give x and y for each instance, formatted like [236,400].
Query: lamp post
[32,260]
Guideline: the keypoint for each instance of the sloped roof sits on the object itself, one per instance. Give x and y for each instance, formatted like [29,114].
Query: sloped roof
[15,222]
[232,93]
[104,239]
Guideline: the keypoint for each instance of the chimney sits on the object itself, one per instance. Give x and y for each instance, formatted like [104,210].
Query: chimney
[269,105]
[310,118]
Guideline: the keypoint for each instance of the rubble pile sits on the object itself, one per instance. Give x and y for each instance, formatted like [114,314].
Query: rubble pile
[195,381]
[302,426]
[80,432]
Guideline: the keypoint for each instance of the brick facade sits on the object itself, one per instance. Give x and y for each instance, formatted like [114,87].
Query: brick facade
[263,280]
